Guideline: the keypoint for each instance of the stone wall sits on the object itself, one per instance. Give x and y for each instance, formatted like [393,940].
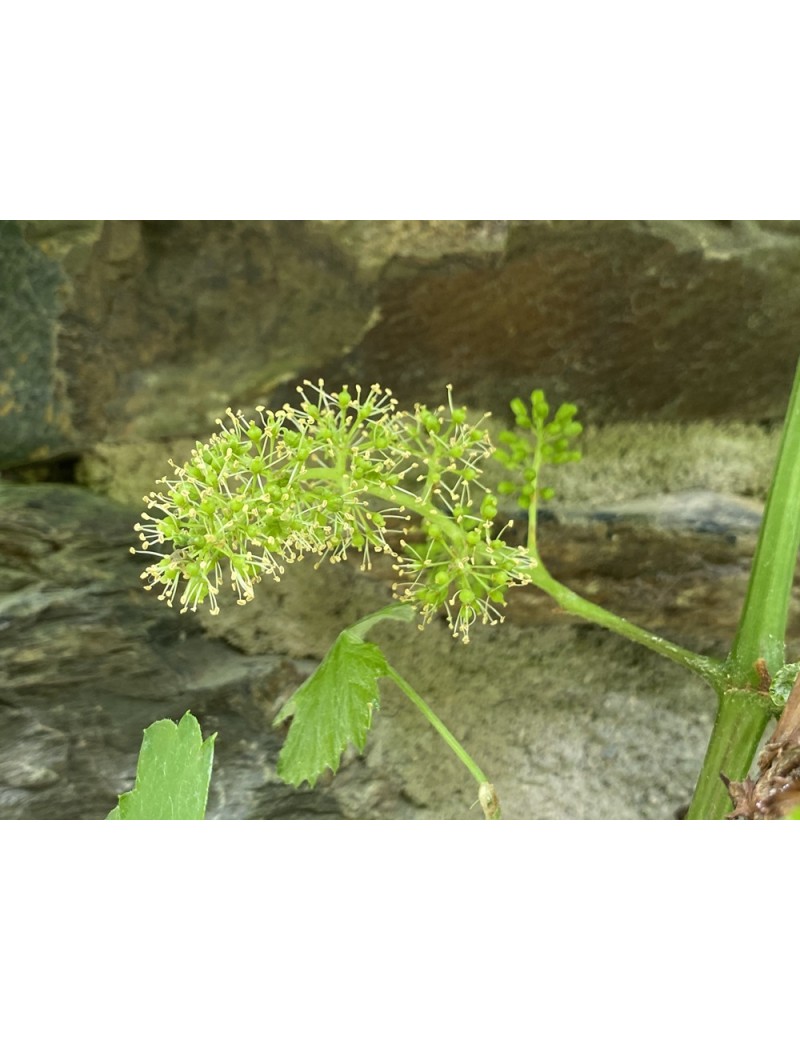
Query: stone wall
[121,342]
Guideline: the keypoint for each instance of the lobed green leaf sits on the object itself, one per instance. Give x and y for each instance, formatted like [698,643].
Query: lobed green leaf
[335,705]
[172,774]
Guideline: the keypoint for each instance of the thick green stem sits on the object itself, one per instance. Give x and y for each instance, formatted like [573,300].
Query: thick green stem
[448,738]
[741,719]
[762,626]
[745,708]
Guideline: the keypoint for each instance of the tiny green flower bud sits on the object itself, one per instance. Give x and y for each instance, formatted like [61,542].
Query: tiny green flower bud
[520,413]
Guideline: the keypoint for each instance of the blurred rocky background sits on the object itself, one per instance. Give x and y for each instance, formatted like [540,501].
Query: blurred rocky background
[122,341]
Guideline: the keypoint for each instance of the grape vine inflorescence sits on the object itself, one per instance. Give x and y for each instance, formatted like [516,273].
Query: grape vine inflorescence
[339,471]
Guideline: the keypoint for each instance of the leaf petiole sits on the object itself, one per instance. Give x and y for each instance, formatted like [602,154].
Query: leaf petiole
[486,792]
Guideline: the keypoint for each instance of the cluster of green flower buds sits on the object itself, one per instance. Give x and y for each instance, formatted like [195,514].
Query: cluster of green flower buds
[462,568]
[535,443]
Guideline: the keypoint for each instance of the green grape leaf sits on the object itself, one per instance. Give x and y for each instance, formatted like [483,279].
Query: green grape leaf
[172,774]
[335,705]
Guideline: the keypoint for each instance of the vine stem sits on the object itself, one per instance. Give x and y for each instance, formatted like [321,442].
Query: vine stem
[708,669]
[742,717]
[759,646]
[486,795]
[761,632]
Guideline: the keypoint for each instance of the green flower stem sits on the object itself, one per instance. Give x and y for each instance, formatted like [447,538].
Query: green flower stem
[532,547]
[533,550]
[570,601]
[762,626]
[396,496]
[428,511]
[705,667]
[708,669]
[741,719]
[440,728]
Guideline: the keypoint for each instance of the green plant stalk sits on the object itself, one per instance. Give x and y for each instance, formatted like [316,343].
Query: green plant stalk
[744,706]
[742,717]
[762,626]
[439,726]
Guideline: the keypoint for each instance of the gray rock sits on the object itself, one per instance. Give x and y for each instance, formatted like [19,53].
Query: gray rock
[32,408]
[158,326]
[88,660]
[696,509]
